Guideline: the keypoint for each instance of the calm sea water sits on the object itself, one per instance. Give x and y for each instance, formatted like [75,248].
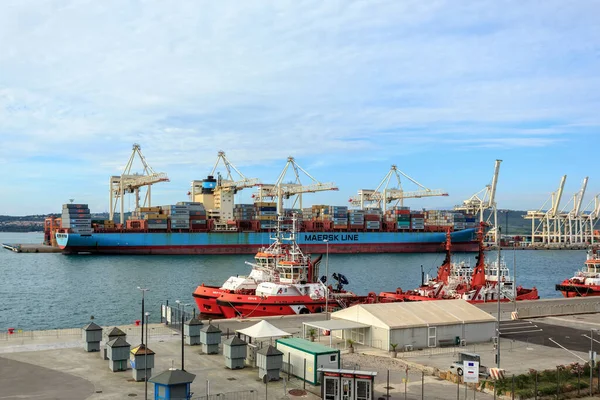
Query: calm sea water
[46,291]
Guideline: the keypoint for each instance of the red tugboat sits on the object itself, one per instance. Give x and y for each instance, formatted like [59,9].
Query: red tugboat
[283,281]
[585,282]
[460,281]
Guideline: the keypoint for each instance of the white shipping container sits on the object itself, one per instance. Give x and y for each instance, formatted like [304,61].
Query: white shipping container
[317,356]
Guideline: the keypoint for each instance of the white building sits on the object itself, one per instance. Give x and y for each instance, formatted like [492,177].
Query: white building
[414,325]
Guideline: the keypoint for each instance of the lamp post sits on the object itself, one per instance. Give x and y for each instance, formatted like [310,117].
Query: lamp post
[182,335]
[498,232]
[327,280]
[143,290]
[147,315]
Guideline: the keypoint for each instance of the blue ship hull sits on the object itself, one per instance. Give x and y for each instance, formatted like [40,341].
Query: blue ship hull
[250,242]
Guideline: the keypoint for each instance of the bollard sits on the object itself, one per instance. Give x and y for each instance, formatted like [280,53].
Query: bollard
[535,391]
[387,387]
[557,381]
[512,390]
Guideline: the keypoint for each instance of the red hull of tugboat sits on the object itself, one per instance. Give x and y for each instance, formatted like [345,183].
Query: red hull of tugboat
[235,305]
[206,300]
[570,289]
[522,295]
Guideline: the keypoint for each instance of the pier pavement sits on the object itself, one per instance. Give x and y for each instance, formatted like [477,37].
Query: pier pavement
[53,365]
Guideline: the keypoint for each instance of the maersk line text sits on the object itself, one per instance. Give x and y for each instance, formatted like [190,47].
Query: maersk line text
[331,238]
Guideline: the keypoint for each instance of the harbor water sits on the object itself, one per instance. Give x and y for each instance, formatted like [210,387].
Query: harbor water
[47,291]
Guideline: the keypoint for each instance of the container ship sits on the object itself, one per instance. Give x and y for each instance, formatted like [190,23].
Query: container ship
[211,223]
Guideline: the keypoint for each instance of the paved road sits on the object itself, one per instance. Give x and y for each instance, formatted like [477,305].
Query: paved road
[20,380]
[534,332]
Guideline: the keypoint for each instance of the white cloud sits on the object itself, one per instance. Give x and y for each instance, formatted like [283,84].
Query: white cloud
[264,80]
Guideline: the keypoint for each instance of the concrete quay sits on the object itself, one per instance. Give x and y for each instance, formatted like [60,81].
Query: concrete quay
[53,364]
[31,248]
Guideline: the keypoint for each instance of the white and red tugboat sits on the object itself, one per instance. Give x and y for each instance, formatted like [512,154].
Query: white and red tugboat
[460,281]
[585,282]
[283,281]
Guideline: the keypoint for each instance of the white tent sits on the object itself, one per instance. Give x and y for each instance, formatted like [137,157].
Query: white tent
[263,330]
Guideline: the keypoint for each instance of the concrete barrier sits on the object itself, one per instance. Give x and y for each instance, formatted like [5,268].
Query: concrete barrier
[552,307]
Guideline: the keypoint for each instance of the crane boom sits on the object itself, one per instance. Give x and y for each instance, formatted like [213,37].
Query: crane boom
[383,195]
[280,190]
[229,183]
[558,196]
[492,199]
[129,182]
[577,205]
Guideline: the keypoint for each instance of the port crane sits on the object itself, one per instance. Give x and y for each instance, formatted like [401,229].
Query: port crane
[548,228]
[485,200]
[590,219]
[130,182]
[556,227]
[227,184]
[383,194]
[281,190]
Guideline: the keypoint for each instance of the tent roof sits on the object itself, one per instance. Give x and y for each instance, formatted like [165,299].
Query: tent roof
[414,314]
[263,330]
[336,324]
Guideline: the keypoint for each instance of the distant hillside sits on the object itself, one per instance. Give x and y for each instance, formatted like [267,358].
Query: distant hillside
[513,223]
[27,223]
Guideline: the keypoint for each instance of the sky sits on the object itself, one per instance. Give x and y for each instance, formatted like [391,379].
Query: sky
[439,88]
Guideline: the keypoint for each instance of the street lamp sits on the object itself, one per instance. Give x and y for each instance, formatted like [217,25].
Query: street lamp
[147,315]
[143,290]
[327,280]
[182,335]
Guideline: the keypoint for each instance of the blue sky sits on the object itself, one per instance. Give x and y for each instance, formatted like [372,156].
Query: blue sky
[440,88]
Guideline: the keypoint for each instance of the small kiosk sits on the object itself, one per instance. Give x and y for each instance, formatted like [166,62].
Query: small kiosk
[210,337]
[347,384]
[235,351]
[92,335]
[118,353]
[172,384]
[191,330]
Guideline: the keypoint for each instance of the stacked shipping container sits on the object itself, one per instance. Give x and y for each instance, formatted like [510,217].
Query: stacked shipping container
[243,212]
[266,213]
[373,219]
[77,218]
[198,220]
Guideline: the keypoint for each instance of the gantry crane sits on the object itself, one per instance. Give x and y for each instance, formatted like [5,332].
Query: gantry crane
[383,194]
[282,190]
[485,200]
[229,183]
[574,224]
[129,182]
[590,219]
[548,228]
[219,200]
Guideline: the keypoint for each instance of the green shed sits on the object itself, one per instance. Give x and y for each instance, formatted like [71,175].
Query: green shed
[296,350]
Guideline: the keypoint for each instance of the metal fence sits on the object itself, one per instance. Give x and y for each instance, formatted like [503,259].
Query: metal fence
[75,333]
[174,316]
[241,395]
